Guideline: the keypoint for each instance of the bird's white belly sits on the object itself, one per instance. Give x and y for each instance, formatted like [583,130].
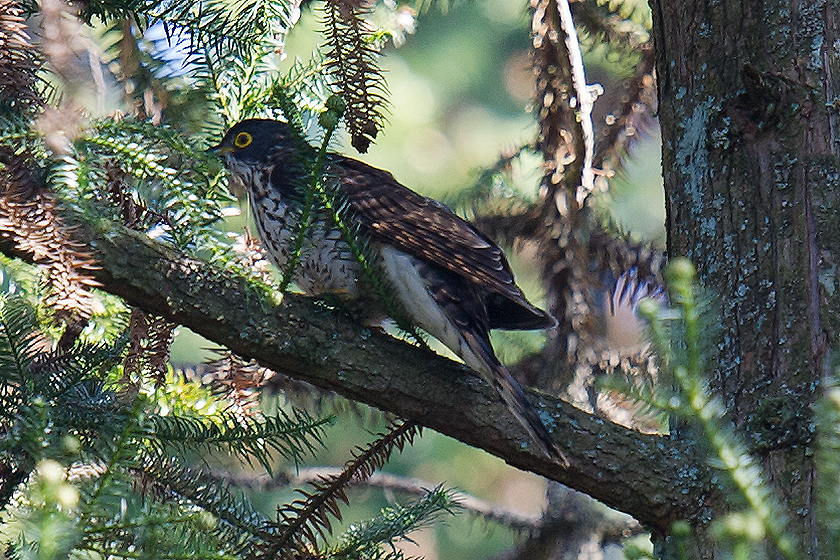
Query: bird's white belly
[423,311]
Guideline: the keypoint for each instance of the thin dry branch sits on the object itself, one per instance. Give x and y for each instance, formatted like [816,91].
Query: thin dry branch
[585,98]
[516,520]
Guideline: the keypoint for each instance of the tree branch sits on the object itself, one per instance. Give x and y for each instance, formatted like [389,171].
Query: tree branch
[639,474]
[260,482]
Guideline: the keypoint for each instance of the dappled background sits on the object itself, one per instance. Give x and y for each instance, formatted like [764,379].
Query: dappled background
[459,122]
[461,90]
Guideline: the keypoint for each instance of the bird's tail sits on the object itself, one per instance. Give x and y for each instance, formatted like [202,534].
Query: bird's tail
[513,395]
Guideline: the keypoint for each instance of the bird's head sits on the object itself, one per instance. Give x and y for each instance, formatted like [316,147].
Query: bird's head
[253,141]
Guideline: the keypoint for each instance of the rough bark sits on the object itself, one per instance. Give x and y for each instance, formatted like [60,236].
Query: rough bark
[748,108]
[639,474]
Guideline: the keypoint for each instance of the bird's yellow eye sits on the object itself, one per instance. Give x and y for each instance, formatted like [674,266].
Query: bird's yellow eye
[242,140]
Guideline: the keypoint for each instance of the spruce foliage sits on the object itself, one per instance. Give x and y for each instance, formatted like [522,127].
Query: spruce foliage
[96,458]
[105,467]
[681,333]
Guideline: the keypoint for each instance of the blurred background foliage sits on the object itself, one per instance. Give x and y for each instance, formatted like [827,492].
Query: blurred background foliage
[461,90]
[111,445]
[461,87]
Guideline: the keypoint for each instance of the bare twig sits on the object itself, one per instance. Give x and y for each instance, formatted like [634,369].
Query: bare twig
[586,96]
[518,521]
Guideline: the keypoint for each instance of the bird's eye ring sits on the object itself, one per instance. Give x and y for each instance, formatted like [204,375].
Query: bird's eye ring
[242,140]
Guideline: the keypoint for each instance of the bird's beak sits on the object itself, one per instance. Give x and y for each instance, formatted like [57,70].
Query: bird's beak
[219,150]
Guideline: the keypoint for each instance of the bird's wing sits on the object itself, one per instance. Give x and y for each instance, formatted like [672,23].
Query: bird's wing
[425,228]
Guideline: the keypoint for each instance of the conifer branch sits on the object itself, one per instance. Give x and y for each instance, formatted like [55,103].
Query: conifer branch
[556,140]
[520,522]
[150,339]
[18,348]
[227,29]
[28,214]
[624,24]
[363,541]
[234,380]
[563,255]
[351,59]
[48,396]
[34,225]
[629,270]
[247,438]
[631,121]
[19,65]
[301,519]
[246,526]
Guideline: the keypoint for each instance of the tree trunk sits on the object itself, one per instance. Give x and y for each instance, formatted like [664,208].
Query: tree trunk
[748,105]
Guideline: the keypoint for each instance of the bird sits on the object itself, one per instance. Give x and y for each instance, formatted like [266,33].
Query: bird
[446,277]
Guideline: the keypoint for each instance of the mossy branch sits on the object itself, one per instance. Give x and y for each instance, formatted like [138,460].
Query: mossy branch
[619,466]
